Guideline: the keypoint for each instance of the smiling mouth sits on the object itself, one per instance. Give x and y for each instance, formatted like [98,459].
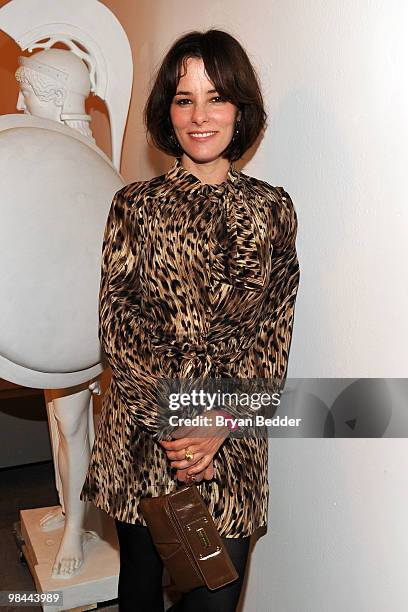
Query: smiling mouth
[201,135]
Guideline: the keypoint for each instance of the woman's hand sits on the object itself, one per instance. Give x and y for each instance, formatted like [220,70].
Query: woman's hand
[203,441]
[206,474]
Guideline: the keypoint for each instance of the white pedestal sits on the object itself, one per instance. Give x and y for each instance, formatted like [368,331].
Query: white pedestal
[98,579]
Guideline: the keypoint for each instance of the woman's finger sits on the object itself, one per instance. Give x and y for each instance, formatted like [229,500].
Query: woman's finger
[209,472]
[182,476]
[200,465]
[183,463]
[176,445]
[205,446]
[179,455]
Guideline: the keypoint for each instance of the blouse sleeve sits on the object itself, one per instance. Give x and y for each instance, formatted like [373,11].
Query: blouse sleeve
[119,305]
[270,351]
[275,336]
[120,315]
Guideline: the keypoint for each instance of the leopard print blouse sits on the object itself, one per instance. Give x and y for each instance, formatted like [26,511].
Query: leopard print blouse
[196,280]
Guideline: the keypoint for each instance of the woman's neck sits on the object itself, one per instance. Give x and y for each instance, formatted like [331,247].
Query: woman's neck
[213,172]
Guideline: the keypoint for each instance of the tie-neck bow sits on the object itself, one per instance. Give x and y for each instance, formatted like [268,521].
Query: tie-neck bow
[188,180]
[232,236]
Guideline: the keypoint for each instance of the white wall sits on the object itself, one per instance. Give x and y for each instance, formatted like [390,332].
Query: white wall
[334,79]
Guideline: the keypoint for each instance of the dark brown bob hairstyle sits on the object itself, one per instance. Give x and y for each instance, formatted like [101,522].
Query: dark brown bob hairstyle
[230,70]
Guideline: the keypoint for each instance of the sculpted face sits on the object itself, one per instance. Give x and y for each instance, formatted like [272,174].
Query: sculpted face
[203,121]
[32,105]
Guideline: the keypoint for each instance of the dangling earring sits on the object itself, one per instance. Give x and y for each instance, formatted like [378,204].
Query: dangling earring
[175,142]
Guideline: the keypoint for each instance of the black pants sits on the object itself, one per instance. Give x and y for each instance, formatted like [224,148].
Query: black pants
[141,573]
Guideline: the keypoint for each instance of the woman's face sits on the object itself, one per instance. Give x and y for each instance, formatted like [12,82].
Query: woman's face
[203,122]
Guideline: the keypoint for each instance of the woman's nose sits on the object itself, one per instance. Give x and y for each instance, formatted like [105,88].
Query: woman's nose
[200,113]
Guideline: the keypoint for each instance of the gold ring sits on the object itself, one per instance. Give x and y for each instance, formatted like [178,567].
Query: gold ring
[189,455]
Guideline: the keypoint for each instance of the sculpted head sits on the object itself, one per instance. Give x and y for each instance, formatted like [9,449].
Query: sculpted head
[54,84]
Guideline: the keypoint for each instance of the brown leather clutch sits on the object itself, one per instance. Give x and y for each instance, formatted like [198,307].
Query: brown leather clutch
[187,540]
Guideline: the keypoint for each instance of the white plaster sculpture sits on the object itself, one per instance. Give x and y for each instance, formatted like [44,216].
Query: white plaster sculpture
[80,24]
[54,84]
[58,213]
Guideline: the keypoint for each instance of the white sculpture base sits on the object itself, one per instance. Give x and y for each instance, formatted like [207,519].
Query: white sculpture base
[98,579]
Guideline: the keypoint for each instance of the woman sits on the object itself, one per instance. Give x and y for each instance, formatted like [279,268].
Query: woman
[199,278]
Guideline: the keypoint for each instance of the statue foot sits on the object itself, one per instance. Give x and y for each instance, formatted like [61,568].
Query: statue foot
[52,520]
[70,558]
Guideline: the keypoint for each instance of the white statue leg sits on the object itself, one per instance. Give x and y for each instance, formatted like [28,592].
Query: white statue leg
[72,414]
[55,518]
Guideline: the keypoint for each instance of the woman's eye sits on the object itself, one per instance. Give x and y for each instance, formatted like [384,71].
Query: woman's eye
[184,101]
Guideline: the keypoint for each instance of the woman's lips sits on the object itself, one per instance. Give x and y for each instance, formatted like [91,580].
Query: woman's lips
[203,136]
